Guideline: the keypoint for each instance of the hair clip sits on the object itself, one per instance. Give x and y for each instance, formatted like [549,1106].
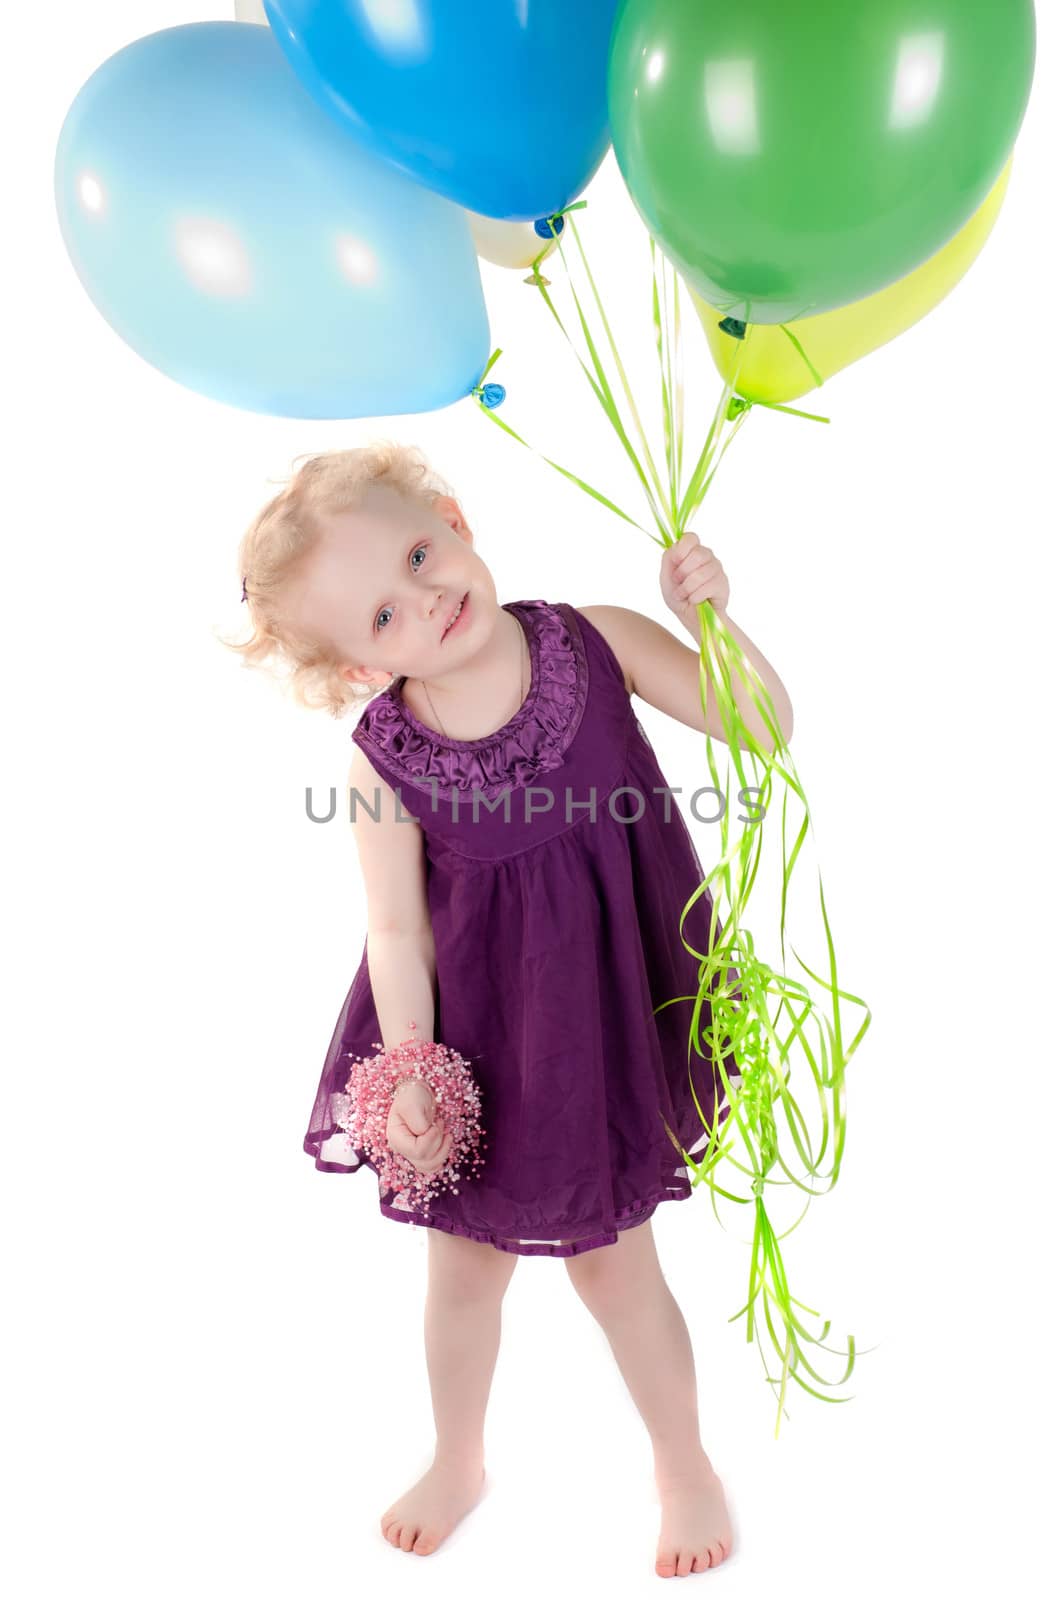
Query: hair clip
[243,584]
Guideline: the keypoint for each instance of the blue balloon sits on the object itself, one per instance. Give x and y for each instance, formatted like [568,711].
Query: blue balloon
[238,240]
[500,105]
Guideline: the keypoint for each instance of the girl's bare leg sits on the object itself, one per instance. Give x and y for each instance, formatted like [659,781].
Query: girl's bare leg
[462,1327]
[625,1290]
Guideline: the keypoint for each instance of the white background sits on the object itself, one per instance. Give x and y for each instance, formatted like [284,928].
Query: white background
[215,1368]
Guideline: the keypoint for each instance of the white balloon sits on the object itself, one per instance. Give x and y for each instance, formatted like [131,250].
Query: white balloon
[251,11]
[507,244]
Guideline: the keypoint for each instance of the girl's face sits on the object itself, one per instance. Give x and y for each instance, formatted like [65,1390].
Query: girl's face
[384,582]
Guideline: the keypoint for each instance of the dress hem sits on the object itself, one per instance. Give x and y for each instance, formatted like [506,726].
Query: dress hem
[628,1217]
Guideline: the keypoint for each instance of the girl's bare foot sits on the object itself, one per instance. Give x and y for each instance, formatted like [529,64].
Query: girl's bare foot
[422,1518]
[695,1528]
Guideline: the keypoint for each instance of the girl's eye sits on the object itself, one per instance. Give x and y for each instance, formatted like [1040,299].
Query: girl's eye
[417,568]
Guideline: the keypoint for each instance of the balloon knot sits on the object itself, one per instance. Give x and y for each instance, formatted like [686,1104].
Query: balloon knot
[490,394]
[734,326]
[550,227]
[736,406]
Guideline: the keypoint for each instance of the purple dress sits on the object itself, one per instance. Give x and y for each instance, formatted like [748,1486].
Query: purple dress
[556,877]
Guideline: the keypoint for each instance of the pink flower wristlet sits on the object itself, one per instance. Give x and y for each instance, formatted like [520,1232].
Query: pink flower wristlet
[370,1090]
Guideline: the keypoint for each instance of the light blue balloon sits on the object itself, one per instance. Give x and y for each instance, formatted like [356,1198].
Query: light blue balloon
[500,105]
[237,239]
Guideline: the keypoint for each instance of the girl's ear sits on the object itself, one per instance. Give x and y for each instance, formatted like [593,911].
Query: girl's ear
[445,506]
[365,675]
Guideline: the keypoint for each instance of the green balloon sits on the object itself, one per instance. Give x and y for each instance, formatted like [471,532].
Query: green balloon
[790,158]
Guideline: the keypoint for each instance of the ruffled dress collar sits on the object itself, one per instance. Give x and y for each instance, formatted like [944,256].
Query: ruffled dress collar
[533,741]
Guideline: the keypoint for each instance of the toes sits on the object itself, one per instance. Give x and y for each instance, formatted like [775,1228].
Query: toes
[425,1543]
[681,1566]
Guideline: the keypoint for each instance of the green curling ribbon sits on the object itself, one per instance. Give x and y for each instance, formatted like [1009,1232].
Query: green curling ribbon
[768,1020]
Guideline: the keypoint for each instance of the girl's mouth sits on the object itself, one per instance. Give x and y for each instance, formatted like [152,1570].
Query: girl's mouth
[459,620]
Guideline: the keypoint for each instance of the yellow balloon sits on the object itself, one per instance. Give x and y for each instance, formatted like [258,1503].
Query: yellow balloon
[772,368]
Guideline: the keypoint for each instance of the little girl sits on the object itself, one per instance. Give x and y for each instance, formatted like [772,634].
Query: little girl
[526,865]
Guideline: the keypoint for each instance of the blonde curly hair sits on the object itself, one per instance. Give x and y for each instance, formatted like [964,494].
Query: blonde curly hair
[280,538]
